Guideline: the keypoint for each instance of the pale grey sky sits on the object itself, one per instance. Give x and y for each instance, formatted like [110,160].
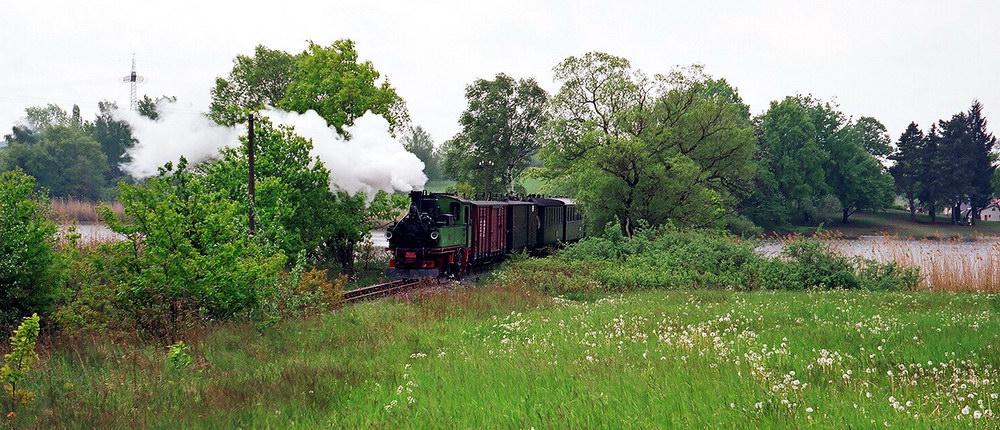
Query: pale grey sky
[898,61]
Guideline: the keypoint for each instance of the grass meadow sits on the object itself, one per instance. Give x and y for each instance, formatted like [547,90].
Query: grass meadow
[502,356]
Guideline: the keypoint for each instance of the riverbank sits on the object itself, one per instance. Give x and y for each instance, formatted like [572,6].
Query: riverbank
[896,223]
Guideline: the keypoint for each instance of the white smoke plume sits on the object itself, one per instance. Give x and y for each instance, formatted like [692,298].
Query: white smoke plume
[174,134]
[372,160]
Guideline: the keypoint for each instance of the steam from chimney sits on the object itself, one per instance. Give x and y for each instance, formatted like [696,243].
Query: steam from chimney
[372,160]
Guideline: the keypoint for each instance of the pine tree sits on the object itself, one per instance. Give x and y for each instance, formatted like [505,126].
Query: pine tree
[980,144]
[955,153]
[930,182]
[906,171]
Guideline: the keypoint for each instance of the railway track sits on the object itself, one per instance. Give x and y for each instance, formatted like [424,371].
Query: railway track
[378,290]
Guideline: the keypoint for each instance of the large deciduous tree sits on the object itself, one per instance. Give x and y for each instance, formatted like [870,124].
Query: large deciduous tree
[253,83]
[331,81]
[65,160]
[499,133]
[640,150]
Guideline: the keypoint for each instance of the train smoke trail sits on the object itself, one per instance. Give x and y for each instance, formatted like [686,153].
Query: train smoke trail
[372,160]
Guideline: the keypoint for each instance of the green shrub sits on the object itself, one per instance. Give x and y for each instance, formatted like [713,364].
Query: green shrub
[18,362]
[669,258]
[187,255]
[31,270]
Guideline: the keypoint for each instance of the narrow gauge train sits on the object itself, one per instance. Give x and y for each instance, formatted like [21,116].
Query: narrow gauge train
[444,235]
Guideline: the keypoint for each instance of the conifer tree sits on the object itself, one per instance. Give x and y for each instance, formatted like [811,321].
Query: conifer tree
[980,144]
[906,171]
[955,156]
[930,183]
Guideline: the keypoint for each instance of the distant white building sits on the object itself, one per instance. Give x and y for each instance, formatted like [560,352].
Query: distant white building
[991,212]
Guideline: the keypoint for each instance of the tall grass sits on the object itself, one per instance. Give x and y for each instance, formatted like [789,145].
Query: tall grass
[67,210]
[503,357]
[947,264]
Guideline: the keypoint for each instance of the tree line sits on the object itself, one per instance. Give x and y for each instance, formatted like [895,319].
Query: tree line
[952,164]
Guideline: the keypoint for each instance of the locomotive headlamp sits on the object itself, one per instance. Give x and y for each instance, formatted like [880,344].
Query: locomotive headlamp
[388,234]
[434,235]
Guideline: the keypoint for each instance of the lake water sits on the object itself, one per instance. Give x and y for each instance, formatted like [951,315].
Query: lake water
[953,264]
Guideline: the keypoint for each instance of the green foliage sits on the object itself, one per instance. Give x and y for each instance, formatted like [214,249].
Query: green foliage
[906,171]
[498,137]
[675,149]
[253,84]
[30,268]
[294,206]
[149,107]
[179,356]
[331,81]
[18,362]
[673,259]
[419,142]
[187,254]
[65,160]
[115,138]
[809,150]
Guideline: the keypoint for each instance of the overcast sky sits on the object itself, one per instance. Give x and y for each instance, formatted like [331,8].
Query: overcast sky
[894,60]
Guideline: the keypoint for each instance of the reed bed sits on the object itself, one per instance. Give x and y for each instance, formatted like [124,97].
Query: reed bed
[67,210]
[947,264]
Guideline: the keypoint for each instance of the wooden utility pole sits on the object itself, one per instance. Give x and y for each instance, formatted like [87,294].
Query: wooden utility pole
[252,179]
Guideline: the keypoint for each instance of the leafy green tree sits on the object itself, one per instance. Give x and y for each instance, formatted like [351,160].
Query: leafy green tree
[906,170]
[253,83]
[331,81]
[64,160]
[39,118]
[115,138]
[499,133]
[419,142]
[149,107]
[294,205]
[795,160]
[30,267]
[856,177]
[679,153]
[187,249]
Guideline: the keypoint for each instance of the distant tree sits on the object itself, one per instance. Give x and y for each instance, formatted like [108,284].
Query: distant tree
[331,81]
[856,177]
[932,172]
[634,150]
[873,136]
[115,138]
[906,170]
[149,107]
[38,118]
[499,133]
[76,120]
[795,161]
[957,175]
[22,134]
[253,83]
[64,160]
[419,142]
[981,160]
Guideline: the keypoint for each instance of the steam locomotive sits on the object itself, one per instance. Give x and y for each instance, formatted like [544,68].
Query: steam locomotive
[444,235]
